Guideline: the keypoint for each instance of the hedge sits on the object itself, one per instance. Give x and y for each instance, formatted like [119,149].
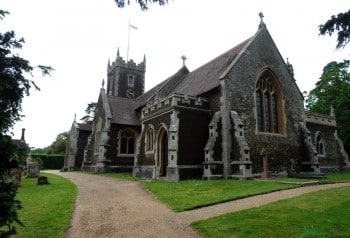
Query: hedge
[50,161]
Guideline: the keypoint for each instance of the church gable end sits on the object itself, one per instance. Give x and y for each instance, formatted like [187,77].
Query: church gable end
[261,89]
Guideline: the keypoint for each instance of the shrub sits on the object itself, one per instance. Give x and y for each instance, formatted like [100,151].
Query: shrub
[50,161]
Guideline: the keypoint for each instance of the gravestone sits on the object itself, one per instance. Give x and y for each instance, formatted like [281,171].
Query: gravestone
[33,168]
[42,180]
[16,175]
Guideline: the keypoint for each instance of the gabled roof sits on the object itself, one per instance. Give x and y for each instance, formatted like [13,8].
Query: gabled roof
[201,80]
[84,127]
[166,87]
[206,77]
[124,110]
[21,144]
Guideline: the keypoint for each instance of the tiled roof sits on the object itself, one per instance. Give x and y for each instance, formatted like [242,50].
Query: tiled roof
[164,88]
[124,110]
[84,127]
[21,144]
[206,77]
[193,83]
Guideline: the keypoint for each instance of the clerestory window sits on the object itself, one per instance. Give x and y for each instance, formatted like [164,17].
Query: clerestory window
[268,104]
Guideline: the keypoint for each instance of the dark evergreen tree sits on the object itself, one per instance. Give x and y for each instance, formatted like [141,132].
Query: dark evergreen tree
[340,24]
[14,85]
[90,113]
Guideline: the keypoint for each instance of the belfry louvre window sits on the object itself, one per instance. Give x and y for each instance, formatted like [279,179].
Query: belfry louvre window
[131,80]
[127,142]
[269,111]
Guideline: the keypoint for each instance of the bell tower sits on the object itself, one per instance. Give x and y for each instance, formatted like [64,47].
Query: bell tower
[126,79]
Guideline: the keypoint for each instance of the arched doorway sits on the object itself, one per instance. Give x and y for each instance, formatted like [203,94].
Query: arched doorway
[162,158]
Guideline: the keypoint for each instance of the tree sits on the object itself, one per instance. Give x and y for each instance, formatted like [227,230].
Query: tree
[37,151]
[59,145]
[143,3]
[14,85]
[340,24]
[333,89]
[90,113]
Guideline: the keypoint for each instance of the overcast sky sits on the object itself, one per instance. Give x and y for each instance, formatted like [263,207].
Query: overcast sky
[78,37]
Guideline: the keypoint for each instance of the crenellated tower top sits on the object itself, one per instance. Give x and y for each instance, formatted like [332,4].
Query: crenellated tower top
[125,78]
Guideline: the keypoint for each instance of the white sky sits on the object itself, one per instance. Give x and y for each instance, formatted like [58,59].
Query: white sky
[78,37]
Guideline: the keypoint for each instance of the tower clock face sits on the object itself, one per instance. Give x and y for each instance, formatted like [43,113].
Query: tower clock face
[130,93]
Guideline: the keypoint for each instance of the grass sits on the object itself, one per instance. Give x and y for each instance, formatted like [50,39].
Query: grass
[338,177]
[190,194]
[320,214]
[47,208]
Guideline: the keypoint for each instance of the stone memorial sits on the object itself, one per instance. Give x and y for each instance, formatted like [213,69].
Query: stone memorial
[33,168]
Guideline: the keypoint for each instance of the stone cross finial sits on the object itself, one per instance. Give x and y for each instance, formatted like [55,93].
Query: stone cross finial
[183,59]
[261,15]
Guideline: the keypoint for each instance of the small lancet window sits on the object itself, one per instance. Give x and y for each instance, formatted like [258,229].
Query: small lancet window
[149,139]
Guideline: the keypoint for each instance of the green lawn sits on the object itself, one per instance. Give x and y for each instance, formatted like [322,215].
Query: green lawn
[320,214]
[47,208]
[338,177]
[190,194]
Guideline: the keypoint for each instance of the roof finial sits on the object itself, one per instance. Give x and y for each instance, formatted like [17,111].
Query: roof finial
[261,15]
[103,83]
[75,117]
[183,59]
[290,67]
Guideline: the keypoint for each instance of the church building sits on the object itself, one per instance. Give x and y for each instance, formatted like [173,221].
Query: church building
[233,117]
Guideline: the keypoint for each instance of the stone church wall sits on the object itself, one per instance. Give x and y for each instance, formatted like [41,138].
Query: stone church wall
[241,81]
[213,97]
[81,144]
[193,135]
[121,163]
[145,164]
[330,161]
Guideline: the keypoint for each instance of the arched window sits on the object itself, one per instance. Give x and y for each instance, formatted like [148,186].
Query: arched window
[127,139]
[319,144]
[268,104]
[149,139]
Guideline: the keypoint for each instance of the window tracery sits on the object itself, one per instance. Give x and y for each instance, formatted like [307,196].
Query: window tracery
[268,104]
[319,144]
[127,139]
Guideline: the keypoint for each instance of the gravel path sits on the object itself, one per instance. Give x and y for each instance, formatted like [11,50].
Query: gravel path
[109,207]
